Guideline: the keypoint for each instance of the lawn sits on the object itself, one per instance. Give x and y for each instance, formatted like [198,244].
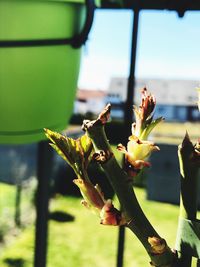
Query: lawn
[173,132]
[8,210]
[7,203]
[83,242]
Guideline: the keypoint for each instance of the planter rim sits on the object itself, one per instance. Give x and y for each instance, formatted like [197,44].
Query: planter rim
[97,2]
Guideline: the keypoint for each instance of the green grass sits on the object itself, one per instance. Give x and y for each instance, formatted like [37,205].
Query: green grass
[7,209]
[173,132]
[84,242]
[5,191]
[7,203]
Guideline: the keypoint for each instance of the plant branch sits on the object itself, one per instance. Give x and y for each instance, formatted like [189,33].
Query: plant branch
[160,254]
[189,179]
[189,165]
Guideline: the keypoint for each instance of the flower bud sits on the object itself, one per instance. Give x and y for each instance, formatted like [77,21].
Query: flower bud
[137,152]
[144,122]
[147,105]
[143,114]
[140,150]
[158,245]
[110,215]
[92,197]
[94,200]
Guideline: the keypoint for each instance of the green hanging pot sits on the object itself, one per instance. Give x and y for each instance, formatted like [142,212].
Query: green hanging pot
[39,65]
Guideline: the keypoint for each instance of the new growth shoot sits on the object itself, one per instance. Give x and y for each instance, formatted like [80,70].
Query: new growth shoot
[93,145]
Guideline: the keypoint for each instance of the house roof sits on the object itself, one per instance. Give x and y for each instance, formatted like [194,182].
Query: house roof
[85,94]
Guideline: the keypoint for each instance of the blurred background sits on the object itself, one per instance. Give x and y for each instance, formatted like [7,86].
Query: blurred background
[167,63]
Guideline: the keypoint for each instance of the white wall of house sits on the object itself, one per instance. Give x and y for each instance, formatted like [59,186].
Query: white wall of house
[172,97]
[96,105]
[80,107]
[169,92]
[91,105]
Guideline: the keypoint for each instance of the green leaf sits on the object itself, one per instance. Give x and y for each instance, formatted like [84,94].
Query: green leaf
[64,146]
[75,152]
[150,127]
[86,147]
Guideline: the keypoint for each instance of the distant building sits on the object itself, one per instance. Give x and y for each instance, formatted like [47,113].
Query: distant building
[89,101]
[176,99]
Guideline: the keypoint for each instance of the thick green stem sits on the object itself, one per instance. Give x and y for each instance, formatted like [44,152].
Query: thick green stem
[137,221]
[188,195]
[189,181]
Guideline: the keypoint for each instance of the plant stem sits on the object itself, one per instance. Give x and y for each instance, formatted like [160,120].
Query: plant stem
[189,181]
[188,195]
[137,221]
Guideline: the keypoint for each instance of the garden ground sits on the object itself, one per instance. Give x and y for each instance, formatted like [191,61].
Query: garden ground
[83,242]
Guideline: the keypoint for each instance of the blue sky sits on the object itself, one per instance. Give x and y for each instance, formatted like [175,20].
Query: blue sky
[168,47]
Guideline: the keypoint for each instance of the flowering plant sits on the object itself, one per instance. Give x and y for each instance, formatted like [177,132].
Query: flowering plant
[138,148]
[93,145]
